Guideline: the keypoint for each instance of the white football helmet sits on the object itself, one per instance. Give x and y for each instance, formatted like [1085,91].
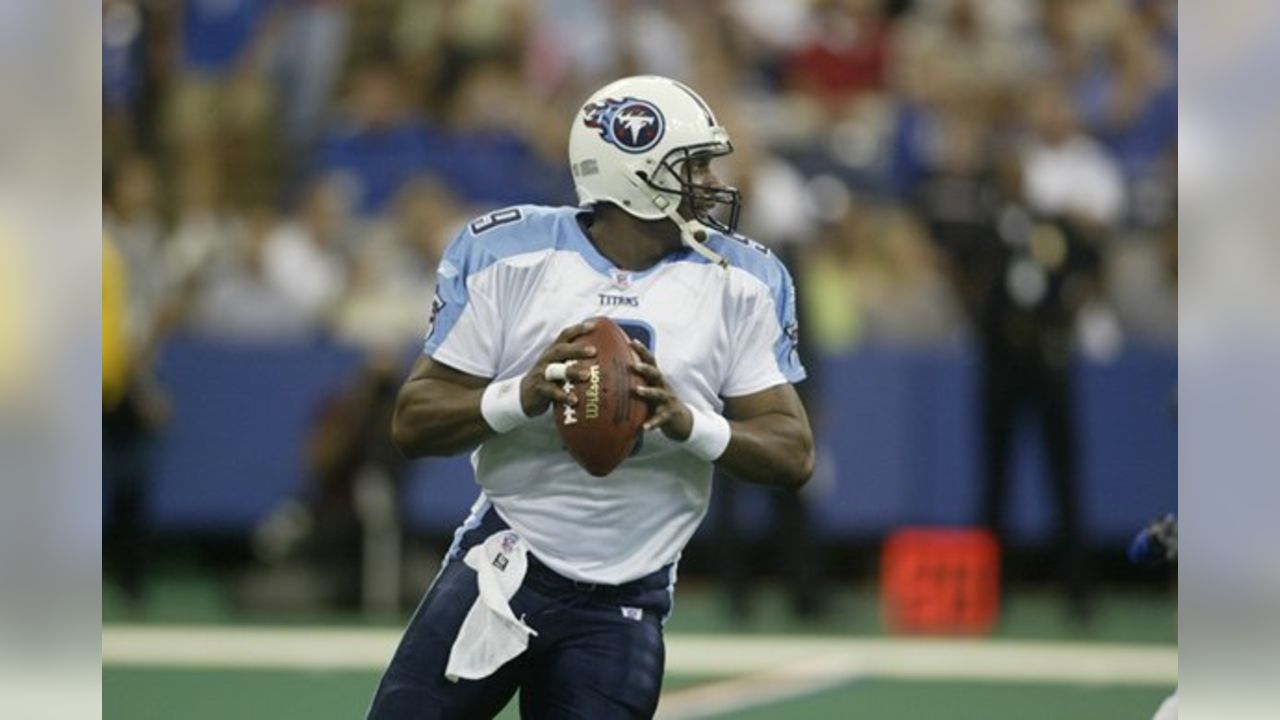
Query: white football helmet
[630,145]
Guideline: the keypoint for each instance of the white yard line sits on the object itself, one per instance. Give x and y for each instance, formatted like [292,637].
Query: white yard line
[284,648]
[301,648]
[806,667]
[940,659]
[755,689]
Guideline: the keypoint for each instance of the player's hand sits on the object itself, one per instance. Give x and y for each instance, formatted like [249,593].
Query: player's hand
[669,412]
[536,392]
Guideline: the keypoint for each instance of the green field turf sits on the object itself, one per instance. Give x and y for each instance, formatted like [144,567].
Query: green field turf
[205,694]
[164,694]
[145,692]
[935,700]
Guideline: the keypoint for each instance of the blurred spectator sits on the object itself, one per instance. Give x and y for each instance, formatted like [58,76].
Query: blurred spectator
[205,231]
[1160,17]
[1066,38]
[393,272]
[489,160]
[132,218]
[242,303]
[969,47]
[953,195]
[126,436]
[130,36]
[220,105]
[914,143]
[778,204]
[658,37]
[220,36]
[306,59]
[378,146]
[572,42]
[875,278]
[303,257]
[136,409]
[828,290]
[115,337]
[123,58]
[844,53]
[311,43]
[439,42]
[485,29]
[1066,173]
[1047,272]
[775,26]
[1138,118]
[955,74]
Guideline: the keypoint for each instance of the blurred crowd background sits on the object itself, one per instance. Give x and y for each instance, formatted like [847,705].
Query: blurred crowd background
[992,177]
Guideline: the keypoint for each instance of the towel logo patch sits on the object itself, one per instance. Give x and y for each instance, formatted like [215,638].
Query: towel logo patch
[506,545]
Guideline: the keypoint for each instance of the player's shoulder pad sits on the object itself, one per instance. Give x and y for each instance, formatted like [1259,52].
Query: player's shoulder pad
[501,234]
[755,259]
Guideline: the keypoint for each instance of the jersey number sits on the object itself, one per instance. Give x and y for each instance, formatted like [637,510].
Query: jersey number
[750,243]
[494,219]
[644,333]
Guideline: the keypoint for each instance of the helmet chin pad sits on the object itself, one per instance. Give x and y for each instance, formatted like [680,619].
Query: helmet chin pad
[694,235]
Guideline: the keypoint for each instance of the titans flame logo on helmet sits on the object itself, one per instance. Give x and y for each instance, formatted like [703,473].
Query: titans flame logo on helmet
[631,124]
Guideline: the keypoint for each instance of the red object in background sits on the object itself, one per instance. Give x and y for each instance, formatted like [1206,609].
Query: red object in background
[940,580]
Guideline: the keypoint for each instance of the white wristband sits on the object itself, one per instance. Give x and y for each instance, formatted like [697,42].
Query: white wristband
[500,405]
[710,435]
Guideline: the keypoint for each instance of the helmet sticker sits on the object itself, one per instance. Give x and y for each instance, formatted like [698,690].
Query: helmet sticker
[633,125]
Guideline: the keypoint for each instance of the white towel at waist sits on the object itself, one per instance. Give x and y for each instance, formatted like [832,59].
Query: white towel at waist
[491,634]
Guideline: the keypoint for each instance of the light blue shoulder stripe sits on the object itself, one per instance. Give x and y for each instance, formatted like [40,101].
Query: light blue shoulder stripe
[484,241]
[763,264]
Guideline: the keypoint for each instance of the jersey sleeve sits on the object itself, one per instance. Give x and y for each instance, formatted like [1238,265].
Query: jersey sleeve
[764,336]
[465,329]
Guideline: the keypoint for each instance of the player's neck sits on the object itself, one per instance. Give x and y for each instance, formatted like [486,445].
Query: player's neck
[631,243]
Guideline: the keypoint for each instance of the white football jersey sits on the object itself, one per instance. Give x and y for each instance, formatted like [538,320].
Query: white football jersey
[511,281]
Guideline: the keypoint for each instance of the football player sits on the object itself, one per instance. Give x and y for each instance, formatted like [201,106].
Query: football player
[558,583]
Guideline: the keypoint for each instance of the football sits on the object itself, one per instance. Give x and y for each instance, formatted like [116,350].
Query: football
[601,429]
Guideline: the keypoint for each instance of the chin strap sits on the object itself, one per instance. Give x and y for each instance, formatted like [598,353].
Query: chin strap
[692,233]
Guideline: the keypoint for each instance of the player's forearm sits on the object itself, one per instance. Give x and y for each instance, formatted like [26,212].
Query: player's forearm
[435,417]
[774,449]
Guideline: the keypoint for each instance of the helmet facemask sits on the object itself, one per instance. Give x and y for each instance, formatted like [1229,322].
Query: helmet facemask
[707,204]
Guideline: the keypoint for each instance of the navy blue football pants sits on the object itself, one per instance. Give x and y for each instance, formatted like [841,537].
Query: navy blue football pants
[598,653]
